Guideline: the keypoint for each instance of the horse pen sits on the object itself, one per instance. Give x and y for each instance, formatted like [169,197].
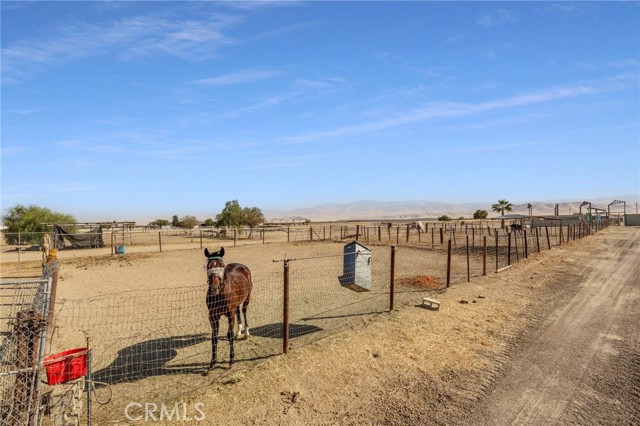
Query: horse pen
[143,313]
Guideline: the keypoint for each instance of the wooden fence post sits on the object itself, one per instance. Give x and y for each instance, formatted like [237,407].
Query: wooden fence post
[160,240]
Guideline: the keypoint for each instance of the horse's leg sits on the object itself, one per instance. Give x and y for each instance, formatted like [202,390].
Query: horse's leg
[232,353]
[244,312]
[215,326]
[240,334]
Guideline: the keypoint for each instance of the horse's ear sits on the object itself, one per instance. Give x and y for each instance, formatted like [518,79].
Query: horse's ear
[206,252]
[221,251]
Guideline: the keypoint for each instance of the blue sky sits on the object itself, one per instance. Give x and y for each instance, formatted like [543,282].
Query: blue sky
[140,110]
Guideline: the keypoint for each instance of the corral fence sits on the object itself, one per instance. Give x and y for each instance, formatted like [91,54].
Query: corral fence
[25,317]
[16,247]
[151,345]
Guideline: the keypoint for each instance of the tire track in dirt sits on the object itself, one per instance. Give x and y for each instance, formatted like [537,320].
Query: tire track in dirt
[581,368]
[449,400]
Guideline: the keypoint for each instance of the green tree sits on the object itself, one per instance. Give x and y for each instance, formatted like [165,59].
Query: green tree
[160,222]
[30,219]
[252,216]
[189,222]
[209,222]
[480,214]
[444,218]
[175,221]
[502,206]
[231,215]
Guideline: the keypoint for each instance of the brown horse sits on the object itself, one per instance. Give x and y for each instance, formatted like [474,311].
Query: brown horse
[229,289]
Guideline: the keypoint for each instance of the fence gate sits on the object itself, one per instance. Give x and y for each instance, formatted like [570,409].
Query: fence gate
[24,306]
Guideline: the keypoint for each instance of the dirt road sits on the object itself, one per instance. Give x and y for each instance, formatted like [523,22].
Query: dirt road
[582,366]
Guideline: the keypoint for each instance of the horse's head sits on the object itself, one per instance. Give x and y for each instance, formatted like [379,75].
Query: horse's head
[215,269]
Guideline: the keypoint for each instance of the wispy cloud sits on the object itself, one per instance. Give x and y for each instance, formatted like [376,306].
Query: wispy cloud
[238,77]
[495,147]
[124,39]
[135,144]
[456,38]
[493,51]
[285,162]
[572,8]
[26,111]
[456,109]
[497,17]
[611,64]
[297,90]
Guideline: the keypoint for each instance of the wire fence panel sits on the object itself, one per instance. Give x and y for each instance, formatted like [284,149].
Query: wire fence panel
[23,322]
[319,304]
[162,338]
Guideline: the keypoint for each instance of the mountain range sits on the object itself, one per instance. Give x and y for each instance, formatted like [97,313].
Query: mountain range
[369,209]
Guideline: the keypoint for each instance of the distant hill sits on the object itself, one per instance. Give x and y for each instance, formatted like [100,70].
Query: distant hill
[368,209]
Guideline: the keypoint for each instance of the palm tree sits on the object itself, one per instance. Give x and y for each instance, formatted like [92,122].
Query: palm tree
[502,206]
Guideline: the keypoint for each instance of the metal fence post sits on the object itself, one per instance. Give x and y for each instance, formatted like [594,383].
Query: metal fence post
[468,266]
[497,252]
[484,255]
[89,380]
[448,263]
[392,277]
[285,309]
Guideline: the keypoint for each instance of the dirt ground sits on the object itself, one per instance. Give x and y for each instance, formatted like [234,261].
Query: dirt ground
[552,340]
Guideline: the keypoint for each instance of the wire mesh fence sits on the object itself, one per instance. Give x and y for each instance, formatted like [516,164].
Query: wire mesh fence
[21,247]
[153,344]
[23,322]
